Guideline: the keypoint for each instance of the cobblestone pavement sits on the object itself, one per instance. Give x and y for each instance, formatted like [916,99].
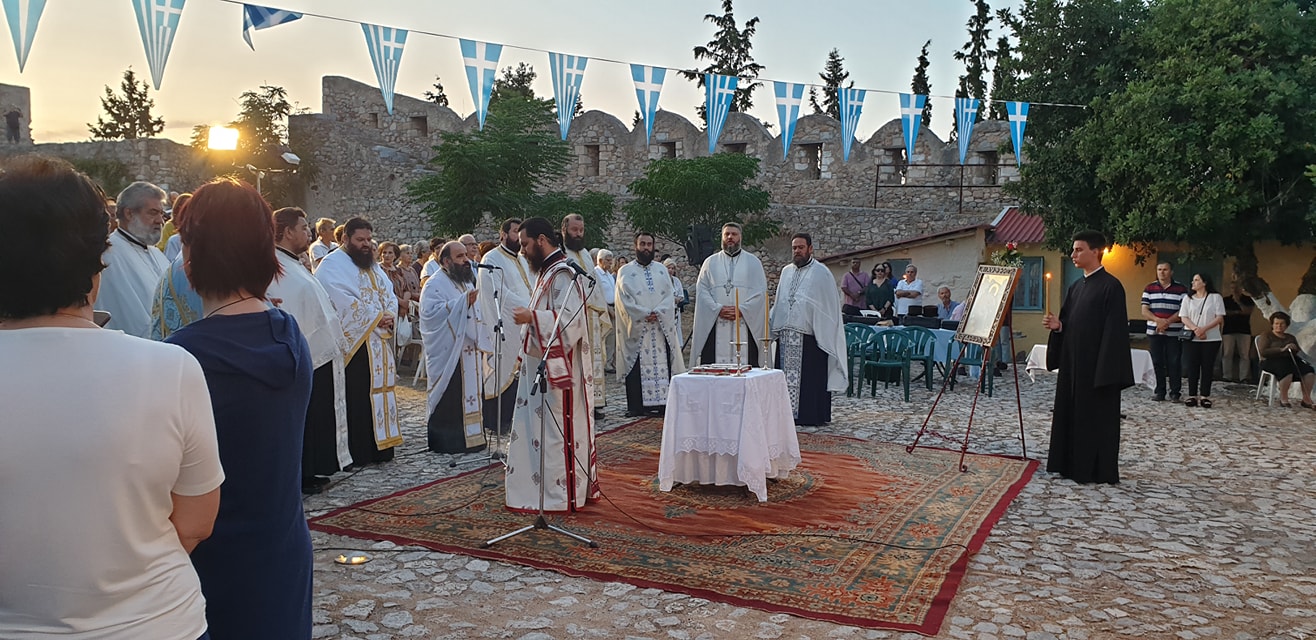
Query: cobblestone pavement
[1209,535]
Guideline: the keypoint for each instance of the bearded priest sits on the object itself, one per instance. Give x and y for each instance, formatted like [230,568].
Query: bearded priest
[806,321]
[454,337]
[648,349]
[726,276]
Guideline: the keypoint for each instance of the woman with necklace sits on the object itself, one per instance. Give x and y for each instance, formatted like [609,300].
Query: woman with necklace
[256,567]
[110,471]
[1203,313]
[880,296]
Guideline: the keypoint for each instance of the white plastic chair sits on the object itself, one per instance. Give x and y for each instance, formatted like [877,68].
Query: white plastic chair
[1267,380]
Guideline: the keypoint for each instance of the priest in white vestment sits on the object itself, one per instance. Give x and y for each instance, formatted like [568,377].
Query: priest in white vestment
[556,416]
[806,321]
[133,264]
[454,341]
[648,348]
[502,288]
[600,321]
[324,440]
[363,298]
[725,276]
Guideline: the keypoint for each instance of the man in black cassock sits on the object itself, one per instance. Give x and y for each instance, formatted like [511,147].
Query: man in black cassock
[1089,344]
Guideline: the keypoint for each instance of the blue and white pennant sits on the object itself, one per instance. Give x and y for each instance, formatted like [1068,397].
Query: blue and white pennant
[911,118]
[481,59]
[719,93]
[23,16]
[257,18]
[966,111]
[648,86]
[567,71]
[851,103]
[385,44]
[789,97]
[1017,113]
[157,21]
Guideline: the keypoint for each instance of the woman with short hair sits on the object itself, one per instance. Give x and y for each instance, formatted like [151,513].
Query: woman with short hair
[109,467]
[256,568]
[1282,357]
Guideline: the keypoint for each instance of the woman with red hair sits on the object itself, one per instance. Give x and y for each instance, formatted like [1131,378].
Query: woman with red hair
[255,568]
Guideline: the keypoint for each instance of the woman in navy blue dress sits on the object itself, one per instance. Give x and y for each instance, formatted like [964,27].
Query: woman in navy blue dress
[255,568]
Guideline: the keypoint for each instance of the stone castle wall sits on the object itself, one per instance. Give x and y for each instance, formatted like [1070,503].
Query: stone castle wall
[367,156]
[165,163]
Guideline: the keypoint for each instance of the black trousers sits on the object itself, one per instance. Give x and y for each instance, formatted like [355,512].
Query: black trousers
[1166,360]
[1199,358]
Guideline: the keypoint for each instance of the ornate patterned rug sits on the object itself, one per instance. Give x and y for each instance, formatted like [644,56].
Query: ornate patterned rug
[861,533]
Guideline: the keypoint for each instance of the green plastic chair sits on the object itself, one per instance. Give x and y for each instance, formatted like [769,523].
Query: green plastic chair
[856,336]
[974,356]
[889,350]
[925,351]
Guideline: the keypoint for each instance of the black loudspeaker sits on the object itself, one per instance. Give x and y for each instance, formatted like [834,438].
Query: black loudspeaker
[930,310]
[950,325]
[922,321]
[914,310]
[699,244]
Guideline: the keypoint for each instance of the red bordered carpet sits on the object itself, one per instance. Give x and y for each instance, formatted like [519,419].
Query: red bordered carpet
[827,545]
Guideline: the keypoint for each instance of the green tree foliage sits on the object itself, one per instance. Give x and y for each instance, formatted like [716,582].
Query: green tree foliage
[112,176]
[519,82]
[499,171]
[973,56]
[1005,75]
[921,85]
[675,193]
[729,54]
[598,210]
[437,96]
[833,76]
[129,115]
[1208,144]
[262,124]
[1070,52]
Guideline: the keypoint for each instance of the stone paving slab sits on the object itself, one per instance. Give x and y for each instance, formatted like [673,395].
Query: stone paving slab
[1211,534]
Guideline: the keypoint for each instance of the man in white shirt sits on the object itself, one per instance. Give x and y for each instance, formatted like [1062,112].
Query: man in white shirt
[608,284]
[909,291]
[432,265]
[324,241]
[134,265]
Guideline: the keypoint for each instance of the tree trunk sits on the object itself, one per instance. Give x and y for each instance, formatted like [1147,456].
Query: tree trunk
[1308,279]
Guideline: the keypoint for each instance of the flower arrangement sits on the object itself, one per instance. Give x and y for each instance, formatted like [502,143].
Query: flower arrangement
[1009,256]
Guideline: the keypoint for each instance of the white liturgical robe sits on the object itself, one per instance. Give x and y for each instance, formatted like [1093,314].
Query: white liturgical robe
[454,336]
[809,303]
[599,323]
[559,419]
[642,290]
[511,281]
[721,279]
[132,271]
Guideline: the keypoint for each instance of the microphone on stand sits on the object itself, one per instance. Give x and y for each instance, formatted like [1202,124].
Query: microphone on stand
[580,271]
[481,265]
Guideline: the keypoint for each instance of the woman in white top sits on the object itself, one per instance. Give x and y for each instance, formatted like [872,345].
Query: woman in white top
[109,468]
[1203,313]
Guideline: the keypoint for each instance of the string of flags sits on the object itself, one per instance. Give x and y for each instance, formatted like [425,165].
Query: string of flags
[157,22]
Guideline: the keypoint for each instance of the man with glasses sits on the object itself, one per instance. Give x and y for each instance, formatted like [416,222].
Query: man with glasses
[133,264]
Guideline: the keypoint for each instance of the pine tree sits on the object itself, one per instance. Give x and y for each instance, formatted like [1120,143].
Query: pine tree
[729,54]
[1005,75]
[833,76]
[129,115]
[974,56]
[921,85]
[437,96]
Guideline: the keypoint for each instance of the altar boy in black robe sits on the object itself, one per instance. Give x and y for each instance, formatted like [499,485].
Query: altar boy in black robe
[1089,344]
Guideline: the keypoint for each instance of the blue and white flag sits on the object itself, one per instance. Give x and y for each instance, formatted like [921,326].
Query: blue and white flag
[966,111]
[648,86]
[481,60]
[851,103]
[789,97]
[385,44]
[23,16]
[157,21]
[1018,115]
[719,92]
[911,118]
[257,18]
[567,72]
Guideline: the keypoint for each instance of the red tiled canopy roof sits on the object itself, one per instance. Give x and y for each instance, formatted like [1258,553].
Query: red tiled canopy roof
[1013,226]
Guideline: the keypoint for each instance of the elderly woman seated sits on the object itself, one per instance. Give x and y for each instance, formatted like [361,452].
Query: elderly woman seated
[1282,357]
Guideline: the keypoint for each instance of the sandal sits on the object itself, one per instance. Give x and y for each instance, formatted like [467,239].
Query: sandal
[1206,403]
[1286,405]
[1305,404]
[1191,402]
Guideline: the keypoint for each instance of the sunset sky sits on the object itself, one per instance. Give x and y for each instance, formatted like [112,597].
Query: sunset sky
[83,45]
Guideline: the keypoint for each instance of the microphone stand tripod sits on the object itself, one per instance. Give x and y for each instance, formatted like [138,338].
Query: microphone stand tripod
[540,385]
[498,337]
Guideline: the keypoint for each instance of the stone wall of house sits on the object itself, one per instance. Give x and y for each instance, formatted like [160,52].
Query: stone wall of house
[367,156]
[168,164]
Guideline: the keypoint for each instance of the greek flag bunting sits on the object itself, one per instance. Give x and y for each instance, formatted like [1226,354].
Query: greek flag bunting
[1017,112]
[385,44]
[157,21]
[648,86]
[789,97]
[568,71]
[257,18]
[966,111]
[481,60]
[719,92]
[911,118]
[23,16]
[851,102]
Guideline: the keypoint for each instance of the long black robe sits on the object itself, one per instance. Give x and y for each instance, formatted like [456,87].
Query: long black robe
[360,414]
[490,409]
[815,408]
[635,390]
[320,435]
[709,352]
[445,427]
[1092,354]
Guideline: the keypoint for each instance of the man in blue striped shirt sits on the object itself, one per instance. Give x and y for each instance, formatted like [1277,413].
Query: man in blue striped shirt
[1160,306]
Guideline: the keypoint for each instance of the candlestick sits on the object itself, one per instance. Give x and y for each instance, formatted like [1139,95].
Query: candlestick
[1046,295]
[737,316]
